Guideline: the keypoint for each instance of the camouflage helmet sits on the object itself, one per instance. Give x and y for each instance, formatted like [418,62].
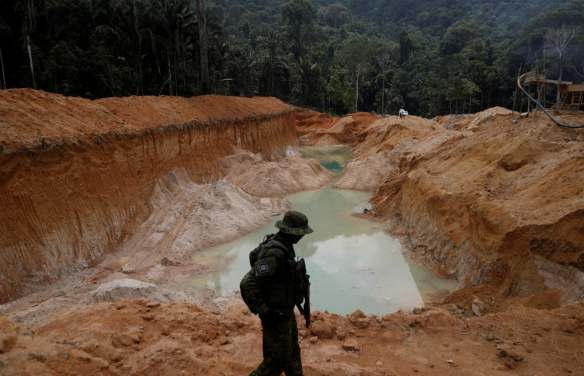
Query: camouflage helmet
[294,223]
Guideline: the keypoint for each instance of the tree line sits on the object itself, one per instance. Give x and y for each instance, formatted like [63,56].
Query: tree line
[431,57]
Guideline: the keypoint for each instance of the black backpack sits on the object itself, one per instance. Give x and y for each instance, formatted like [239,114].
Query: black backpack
[250,279]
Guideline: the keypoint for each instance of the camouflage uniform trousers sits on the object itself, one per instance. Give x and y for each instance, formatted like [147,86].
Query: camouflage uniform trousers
[280,347]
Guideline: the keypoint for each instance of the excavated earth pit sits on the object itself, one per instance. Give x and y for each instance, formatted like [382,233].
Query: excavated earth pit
[354,264]
[126,225]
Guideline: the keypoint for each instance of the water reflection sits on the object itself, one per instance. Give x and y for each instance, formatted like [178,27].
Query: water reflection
[352,262]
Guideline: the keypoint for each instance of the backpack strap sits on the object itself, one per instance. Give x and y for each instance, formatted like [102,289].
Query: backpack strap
[274,243]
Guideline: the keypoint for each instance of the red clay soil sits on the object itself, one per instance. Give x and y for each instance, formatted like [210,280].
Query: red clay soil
[323,129]
[493,199]
[308,121]
[386,133]
[146,338]
[498,202]
[76,176]
[32,119]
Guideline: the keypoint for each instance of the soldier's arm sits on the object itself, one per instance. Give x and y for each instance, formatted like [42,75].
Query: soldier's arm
[269,264]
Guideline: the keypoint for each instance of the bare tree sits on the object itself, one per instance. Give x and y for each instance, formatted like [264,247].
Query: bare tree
[558,41]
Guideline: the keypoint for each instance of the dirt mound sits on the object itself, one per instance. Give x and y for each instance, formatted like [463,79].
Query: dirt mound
[187,218]
[472,121]
[276,178]
[332,131]
[454,122]
[143,337]
[126,288]
[308,121]
[500,206]
[384,134]
[381,150]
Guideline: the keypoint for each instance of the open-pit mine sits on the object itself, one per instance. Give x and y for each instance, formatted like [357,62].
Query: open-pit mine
[445,246]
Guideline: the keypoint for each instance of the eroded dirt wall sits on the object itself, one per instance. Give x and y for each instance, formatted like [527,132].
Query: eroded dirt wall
[498,204]
[76,175]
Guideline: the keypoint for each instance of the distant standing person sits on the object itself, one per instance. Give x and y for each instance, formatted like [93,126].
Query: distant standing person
[275,284]
[402,113]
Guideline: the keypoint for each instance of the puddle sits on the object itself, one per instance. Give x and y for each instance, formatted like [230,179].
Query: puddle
[333,158]
[353,264]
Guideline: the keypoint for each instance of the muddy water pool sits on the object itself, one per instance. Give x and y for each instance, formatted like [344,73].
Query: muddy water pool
[353,263]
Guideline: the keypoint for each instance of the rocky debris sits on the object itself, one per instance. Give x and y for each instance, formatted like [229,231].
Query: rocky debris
[85,357]
[478,307]
[126,288]
[357,314]
[322,330]
[115,338]
[165,261]
[8,335]
[359,319]
[351,345]
[510,357]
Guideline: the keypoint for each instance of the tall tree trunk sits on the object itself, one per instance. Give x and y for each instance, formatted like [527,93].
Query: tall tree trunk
[203,47]
[140,83]
[169,77]
[29,49]
[382,95]
[3,73]
[357,90]
[558,93]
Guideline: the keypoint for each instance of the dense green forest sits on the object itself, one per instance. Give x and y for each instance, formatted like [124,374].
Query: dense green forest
[430,56]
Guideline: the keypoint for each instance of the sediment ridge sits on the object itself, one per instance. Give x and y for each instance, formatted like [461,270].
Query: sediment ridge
[76,176]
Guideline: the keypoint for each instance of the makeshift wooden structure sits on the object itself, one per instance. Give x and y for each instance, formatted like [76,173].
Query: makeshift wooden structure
[571,94]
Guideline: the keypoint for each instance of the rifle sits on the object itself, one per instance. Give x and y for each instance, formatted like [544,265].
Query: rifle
[305,291]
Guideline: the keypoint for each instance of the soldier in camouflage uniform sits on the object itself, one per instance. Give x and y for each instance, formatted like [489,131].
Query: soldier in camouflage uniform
[269,291]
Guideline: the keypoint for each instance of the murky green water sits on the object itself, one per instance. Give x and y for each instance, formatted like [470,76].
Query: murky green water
[333,158]
[353,263]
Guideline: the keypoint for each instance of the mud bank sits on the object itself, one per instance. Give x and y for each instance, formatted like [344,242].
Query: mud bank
[77,176]
[491,198]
